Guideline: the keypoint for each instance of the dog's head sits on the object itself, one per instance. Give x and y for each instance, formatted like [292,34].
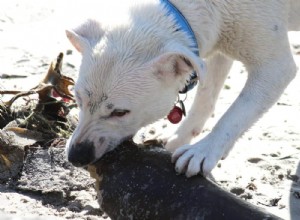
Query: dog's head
[128,78]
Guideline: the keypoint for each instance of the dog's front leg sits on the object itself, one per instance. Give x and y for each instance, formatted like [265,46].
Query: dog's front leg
[265,84]
[203,106]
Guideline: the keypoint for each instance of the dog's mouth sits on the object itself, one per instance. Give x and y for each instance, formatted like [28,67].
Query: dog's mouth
[112,146]
[87,153]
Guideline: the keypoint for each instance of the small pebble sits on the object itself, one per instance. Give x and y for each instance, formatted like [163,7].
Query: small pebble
[69,52]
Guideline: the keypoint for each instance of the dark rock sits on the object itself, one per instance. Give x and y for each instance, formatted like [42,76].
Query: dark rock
[140,183]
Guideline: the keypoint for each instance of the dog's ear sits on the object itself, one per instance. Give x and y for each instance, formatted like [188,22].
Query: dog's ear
[179,62]
[86,35]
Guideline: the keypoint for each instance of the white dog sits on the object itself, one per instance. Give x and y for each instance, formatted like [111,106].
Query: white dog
[135,62]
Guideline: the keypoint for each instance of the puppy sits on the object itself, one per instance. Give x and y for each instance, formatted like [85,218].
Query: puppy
[135,62]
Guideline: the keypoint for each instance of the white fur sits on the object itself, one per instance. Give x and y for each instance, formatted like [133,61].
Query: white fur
[140,64]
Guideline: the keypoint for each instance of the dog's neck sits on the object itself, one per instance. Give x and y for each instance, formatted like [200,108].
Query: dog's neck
[182,23]
[184,26]
[204,19]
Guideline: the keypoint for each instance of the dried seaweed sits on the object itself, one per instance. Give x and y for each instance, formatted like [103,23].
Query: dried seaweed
[53,81]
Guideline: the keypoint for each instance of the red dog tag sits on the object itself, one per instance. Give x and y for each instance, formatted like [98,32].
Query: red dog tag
[175,115]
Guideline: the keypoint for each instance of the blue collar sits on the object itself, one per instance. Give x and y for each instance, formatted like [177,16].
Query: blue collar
[182,23]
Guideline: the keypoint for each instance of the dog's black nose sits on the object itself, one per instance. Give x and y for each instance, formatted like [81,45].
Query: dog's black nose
[81,154]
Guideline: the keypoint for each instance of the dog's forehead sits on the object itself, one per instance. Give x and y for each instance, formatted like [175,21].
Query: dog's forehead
[110,72]
[104,91]
[105,83]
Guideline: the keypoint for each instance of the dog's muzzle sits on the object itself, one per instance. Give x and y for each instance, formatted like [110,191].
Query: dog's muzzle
[81,154]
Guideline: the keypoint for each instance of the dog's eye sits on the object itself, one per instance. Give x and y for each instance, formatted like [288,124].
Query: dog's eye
[119,113]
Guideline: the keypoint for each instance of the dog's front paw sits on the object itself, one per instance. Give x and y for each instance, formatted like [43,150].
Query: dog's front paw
[175,141]
[198,158]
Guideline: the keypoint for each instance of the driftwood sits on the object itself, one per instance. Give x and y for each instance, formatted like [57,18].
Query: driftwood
[140,183]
